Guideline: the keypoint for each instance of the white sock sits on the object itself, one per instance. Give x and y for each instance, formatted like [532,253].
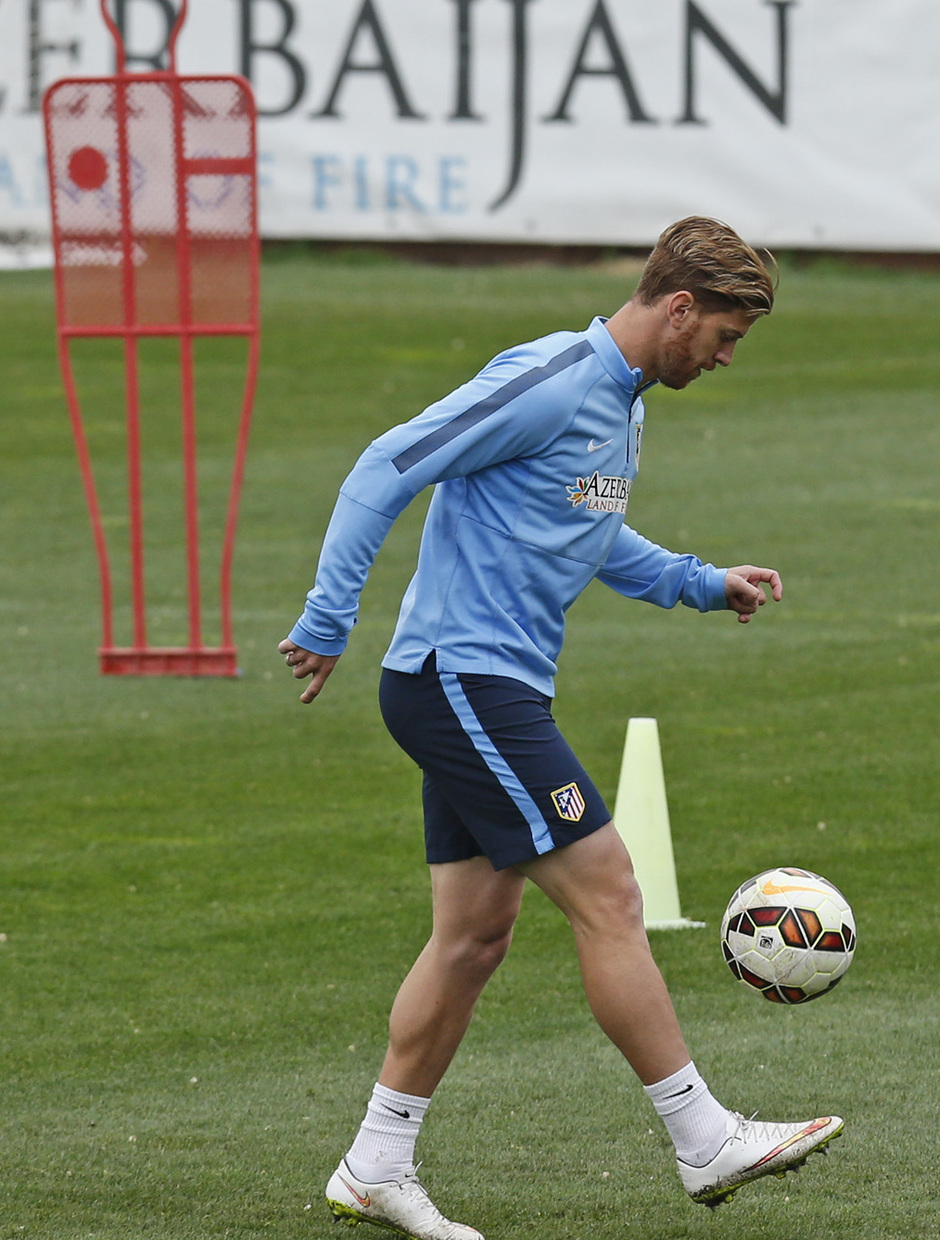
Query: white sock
[384,1148]
[694,1120]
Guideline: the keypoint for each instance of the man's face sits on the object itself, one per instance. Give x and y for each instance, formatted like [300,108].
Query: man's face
[703,341]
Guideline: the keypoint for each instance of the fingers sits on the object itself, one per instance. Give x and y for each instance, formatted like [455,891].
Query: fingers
[319,667]
[301,663]
[295,657]
[772,577]
[744,589]
[313,689]
[304,663]
[753,574]
[746,602]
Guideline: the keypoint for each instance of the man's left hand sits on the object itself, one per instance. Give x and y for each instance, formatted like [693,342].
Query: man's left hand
[744,589]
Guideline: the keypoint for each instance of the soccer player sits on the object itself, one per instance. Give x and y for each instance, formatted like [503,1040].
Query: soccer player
[532,462]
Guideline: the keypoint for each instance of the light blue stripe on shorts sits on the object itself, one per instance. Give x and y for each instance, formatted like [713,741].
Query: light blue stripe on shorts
[541,836]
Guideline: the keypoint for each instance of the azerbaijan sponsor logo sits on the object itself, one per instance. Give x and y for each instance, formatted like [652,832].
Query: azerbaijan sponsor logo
[600,493]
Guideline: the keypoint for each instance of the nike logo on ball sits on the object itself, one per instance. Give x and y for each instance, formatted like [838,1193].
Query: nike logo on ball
[596,447]
[770,888]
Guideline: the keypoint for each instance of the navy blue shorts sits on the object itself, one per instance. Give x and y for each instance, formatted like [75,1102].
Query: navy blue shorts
[500,780]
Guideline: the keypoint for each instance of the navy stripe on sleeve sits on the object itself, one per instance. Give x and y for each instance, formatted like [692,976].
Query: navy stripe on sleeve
[482,409]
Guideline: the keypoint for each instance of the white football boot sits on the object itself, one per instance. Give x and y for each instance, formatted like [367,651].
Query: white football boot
[754,1149]
[402,1206]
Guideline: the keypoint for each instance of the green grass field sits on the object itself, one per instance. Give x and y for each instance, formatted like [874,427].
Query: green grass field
[209,892]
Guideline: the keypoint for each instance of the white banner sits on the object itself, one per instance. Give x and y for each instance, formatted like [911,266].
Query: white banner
[804,123]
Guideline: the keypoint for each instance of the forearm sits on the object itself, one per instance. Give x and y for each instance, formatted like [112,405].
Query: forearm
[351,543]
[638,568]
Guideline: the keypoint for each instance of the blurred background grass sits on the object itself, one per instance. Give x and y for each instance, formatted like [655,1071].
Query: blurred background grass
[209,892]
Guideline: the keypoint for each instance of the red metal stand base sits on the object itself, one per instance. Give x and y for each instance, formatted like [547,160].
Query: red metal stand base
[168,661]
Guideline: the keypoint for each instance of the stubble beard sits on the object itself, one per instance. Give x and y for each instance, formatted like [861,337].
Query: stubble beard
[677,369]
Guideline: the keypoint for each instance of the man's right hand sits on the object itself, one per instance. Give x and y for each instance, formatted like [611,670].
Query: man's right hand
[304,663]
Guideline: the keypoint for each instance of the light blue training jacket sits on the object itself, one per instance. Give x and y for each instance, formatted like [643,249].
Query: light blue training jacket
[532,463]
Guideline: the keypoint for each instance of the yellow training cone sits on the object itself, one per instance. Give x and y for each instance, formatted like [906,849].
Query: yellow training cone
[641,816]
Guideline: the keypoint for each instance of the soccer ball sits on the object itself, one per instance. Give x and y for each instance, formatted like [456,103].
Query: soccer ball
[789,934]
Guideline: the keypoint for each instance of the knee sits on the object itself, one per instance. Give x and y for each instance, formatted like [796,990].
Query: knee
[479,955]
[618,902]
[631,900]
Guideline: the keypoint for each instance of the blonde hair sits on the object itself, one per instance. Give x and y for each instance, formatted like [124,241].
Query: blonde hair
[709,260]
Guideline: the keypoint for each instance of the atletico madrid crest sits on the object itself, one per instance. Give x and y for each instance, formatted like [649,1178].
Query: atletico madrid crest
[569,802]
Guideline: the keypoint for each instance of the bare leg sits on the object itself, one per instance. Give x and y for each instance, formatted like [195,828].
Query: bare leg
[475,908]
[592,882]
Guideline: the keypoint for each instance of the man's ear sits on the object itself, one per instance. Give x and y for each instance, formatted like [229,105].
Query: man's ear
[678,306]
